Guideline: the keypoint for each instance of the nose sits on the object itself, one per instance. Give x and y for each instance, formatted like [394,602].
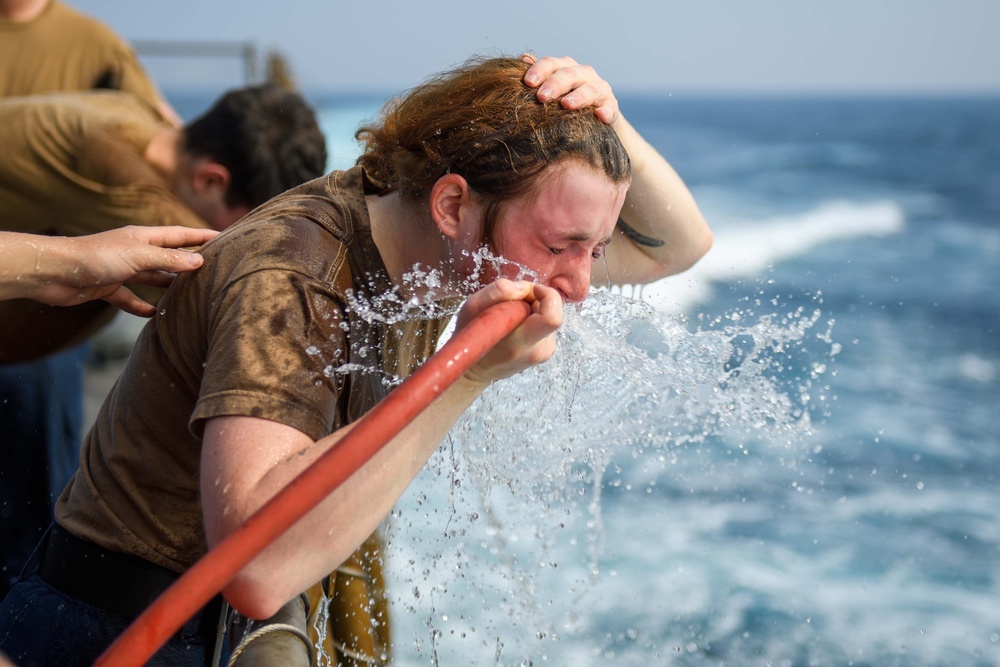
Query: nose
[573,282]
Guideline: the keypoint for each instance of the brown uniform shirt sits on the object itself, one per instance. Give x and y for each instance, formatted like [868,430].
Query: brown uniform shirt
[73,164]
[264,329]
[63,50]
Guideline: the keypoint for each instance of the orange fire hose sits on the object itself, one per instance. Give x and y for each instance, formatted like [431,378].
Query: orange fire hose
[216,568]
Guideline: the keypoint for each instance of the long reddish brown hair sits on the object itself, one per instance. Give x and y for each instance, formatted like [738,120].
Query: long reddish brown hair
[482,122]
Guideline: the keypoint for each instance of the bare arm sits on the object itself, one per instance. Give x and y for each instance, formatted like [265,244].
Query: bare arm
[64,271]
[669,233]
[234,485]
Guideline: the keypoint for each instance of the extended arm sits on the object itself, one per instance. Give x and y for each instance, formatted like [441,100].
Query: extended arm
[664,232]
[234,485]
[67,271]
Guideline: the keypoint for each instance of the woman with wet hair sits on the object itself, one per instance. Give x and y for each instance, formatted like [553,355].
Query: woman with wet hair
[502,124]
[306,313]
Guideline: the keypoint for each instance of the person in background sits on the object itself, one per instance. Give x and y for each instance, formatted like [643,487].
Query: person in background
[64,271]
[85,162]
[46,47]
[251,369]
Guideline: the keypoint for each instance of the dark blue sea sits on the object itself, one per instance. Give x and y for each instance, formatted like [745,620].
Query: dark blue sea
[787,456]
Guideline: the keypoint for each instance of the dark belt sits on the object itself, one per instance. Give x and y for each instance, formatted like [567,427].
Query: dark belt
[118,583]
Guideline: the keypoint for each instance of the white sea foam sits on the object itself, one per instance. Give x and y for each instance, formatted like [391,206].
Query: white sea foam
[747,248]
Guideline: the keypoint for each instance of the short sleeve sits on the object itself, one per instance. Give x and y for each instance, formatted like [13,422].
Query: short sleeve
[133,79]
[275,342]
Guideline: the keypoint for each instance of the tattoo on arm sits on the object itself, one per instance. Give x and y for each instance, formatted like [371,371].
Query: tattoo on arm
[639,238]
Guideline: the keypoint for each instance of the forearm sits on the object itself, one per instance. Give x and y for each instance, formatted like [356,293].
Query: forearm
[246,461]
[327,535]
[30,264]
[660,206]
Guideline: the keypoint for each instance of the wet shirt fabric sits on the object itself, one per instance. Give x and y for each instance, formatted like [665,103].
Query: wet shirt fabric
[266,328]
[63,50]
[73,164]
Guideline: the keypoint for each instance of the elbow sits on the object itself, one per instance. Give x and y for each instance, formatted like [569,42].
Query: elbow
[698,248]
[254,597]
[705,244]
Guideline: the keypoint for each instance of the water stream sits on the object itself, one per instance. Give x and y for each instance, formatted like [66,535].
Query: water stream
[502,541]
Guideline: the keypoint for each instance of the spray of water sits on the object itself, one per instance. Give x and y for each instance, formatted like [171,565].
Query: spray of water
[499,543]
[515,493]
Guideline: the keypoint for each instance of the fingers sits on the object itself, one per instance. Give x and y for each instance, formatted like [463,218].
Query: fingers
[126,251]
[576,86]
[153,259]
[546,311]
[500,290]
[124,299]
[173,237]
[546,304]
[531,343]
[147,255]
[158,249]
[543,68]
[154,278]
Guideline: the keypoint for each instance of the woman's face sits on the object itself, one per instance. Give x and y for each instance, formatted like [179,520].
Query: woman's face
[562,229]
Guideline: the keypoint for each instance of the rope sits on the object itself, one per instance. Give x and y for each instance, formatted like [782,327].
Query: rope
[270,629]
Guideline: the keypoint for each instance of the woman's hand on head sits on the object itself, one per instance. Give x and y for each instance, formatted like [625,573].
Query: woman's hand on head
[578,85]
[531,343]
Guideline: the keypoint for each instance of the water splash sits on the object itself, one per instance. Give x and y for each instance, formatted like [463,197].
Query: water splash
[321,623]
[424,291]
[516,491]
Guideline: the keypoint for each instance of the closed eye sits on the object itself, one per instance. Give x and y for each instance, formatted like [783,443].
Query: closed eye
[556,251]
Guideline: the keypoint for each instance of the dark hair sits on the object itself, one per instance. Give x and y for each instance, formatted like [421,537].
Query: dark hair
[482,122]
[266,136]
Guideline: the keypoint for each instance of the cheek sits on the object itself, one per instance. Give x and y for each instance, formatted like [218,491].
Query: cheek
[544,264]
[514,269]
[518,254]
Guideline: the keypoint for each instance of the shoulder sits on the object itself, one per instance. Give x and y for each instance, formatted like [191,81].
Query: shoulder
[284,241]
[81,27]
[333,203]
[309,231]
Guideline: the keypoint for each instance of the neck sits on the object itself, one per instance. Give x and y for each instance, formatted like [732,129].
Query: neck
[404,239]
[22,11]
[164,154]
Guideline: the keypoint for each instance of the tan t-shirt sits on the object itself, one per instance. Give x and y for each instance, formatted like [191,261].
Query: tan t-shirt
[266,329]
[63,50]
[73,164]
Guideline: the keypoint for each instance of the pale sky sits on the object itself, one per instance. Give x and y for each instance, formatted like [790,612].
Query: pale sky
[713,46]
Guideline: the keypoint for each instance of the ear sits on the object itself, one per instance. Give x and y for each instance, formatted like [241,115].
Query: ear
[455,212]
[210,178]
[209,186]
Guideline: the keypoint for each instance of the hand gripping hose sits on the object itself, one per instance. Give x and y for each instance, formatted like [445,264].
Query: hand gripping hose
[372,432]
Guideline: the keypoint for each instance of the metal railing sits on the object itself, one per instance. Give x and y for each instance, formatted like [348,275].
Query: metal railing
[171,48]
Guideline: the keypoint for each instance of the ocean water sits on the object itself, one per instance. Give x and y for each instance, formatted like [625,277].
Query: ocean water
[787,455]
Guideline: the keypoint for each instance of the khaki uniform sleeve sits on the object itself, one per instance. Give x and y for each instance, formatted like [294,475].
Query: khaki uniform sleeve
[131,78]
[276,349]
